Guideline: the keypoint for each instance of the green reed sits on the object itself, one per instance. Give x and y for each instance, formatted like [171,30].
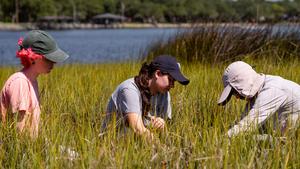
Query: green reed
[217,43]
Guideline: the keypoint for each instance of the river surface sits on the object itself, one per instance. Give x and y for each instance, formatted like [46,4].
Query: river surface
[107,45]
[92,46]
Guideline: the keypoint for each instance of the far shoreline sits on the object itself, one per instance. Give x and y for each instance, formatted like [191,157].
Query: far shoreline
[126,25]
[74,26]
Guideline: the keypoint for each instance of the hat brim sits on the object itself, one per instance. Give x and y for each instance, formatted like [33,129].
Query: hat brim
[179,77]
[225,96]
[57,56]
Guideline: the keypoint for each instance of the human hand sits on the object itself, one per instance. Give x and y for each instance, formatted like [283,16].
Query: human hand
[157,122]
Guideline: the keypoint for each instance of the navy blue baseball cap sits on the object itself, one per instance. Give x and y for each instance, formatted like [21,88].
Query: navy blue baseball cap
[169,64]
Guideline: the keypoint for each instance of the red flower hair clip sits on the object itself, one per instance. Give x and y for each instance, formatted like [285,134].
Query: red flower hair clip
[27,56]
[20,41]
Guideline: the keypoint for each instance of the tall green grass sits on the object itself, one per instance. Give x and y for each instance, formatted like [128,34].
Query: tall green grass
[74,98]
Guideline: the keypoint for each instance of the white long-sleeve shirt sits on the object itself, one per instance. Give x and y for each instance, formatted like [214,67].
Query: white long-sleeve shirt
[278,97]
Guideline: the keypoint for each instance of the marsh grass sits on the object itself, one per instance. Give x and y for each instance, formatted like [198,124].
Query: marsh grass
[74,98]
[225,43]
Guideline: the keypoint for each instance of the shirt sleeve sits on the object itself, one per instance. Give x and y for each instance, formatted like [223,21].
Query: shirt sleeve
[128,101]
[265,105]
[19,94]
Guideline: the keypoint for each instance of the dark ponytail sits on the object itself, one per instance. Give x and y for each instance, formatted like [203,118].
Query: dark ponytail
[142,80]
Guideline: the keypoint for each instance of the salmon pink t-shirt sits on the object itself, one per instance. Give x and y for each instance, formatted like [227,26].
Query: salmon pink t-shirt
[21,94]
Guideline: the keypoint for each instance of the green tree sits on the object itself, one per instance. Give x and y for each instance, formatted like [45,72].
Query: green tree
[110,6]
[8,10]
[87,9]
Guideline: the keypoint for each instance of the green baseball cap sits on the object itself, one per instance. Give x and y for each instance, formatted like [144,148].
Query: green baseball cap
[42,43]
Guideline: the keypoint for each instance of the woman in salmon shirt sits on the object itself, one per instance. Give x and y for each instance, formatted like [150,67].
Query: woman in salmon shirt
[19,99]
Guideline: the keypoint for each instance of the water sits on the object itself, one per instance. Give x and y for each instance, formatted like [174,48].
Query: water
[106,45]
[92,46]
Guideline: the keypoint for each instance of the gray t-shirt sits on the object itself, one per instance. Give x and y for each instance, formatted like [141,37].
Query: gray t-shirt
[127,99]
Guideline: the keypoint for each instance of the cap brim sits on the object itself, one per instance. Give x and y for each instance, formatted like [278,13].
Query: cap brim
[180,78]
[225,96]
[57,56]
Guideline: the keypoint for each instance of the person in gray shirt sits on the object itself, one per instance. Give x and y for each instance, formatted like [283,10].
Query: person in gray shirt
[269,98]
[145,99]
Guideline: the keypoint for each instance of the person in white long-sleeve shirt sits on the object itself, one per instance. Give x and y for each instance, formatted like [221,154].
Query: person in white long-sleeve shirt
[269,98]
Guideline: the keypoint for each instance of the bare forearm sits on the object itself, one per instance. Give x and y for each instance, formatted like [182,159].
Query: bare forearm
[136,123]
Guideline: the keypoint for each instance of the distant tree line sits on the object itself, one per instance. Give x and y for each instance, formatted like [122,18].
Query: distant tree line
[153,10]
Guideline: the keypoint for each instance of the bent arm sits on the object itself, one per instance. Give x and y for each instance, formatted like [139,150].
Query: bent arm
[135,122]
[266,104]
